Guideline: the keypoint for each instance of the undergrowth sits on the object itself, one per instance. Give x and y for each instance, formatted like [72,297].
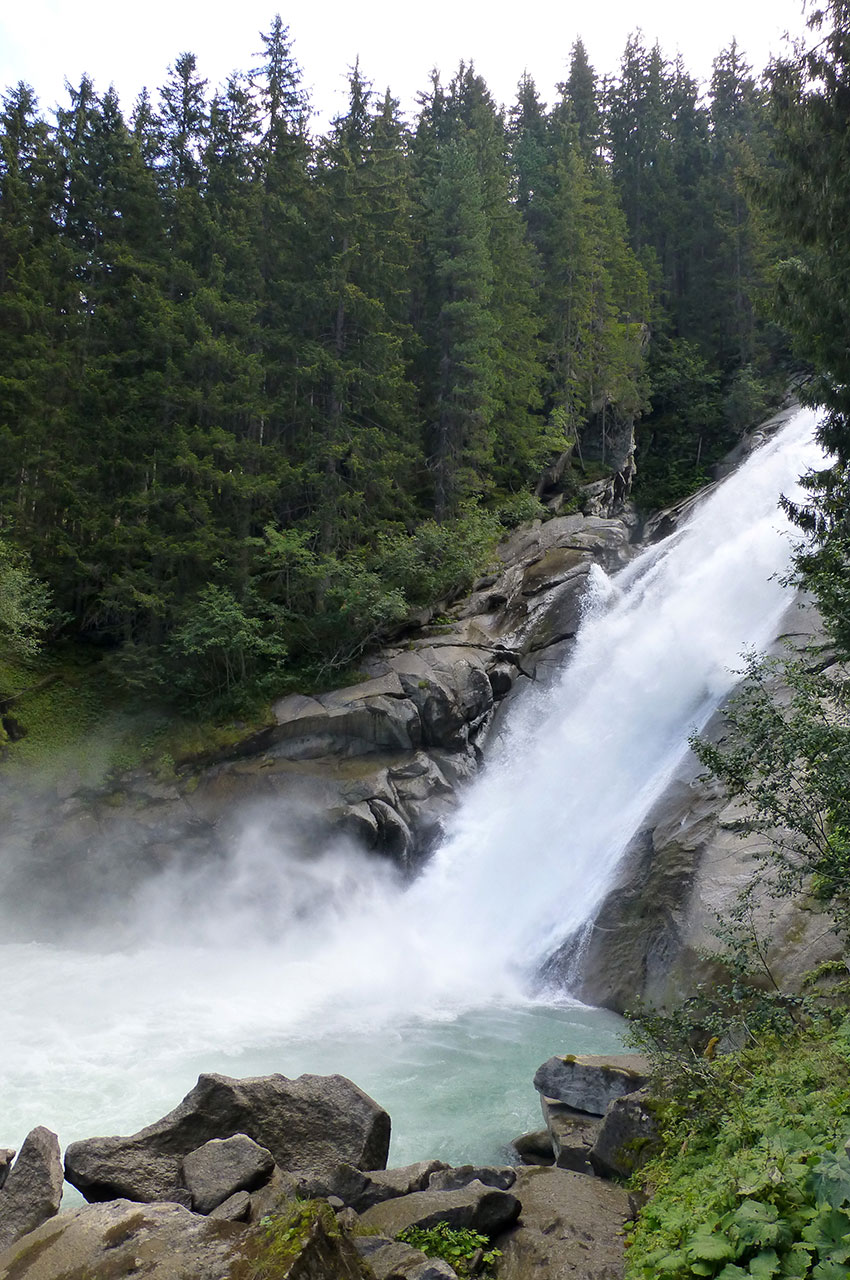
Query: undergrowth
[458,1246]
[752,1179]
[68,718]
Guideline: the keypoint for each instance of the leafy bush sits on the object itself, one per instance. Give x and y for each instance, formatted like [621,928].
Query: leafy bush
[520,508]
[457,1246]
[753,1179]
[25,606]
[437,560]
[219,646]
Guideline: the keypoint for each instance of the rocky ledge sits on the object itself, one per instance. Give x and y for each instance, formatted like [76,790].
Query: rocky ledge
[298,1167]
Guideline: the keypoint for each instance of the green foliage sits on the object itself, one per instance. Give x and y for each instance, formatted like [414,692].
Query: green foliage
[747,399]
[218,647]
[520,508]
[261,393]
[753,1179]
[684,431]
[438,560]
[456,1245]
[25,605]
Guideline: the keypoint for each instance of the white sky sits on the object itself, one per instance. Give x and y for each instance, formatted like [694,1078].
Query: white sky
[45,41]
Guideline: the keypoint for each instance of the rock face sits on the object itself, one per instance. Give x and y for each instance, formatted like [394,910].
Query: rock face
[590,1082]
[501,1176]
[392,1260]
[571,1136]
[309,1123]
[534,1148]
[33,1188]
[360,1191]
[571,1228]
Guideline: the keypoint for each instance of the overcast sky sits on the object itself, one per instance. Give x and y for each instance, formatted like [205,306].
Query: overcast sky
[45,41]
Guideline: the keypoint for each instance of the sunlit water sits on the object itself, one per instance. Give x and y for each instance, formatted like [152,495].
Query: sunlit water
[282,961]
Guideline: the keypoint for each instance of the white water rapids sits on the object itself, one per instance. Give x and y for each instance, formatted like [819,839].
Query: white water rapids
[282,962]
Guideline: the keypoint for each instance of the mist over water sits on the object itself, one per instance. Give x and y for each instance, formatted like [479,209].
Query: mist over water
[286,960]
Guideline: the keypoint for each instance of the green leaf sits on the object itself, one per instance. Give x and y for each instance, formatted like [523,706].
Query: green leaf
[706,1245]
[830,1270]
[668,1263]
[765,1265]
[796,1262]
[756,1223]
[830,1234]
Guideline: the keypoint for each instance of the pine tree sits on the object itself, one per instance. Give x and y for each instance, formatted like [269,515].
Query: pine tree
[581,95]
[461,340]
[360,441]
[37,303]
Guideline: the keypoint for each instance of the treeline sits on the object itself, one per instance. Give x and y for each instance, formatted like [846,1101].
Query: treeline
[261,393]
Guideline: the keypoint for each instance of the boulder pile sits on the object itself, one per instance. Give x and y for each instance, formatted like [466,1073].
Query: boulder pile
[243,1169]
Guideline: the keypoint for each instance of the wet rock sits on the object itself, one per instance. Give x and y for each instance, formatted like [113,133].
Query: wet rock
[571,1133]
[360,1191]
[309,1123]
[534,1148]
[277,1195]
[481,1208]
[392,1260]
[362,719]
[571,1228]
[214,1172]
[590,1082]
[394,834]
[501,1176]
[627,1138]
[33,1187]
[7,1155]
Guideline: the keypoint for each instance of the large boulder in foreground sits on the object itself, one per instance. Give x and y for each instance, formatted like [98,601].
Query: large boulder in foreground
[159,1242]
[571,1228]
[591,1082]
[310,1123]
[33,1188]
[167,1242]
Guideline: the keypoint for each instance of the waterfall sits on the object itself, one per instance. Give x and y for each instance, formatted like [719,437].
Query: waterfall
[245,967]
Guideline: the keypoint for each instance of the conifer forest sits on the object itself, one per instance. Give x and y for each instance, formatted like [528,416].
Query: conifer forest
[263,394]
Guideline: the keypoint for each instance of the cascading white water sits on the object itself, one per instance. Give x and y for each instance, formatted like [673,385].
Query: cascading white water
[288,963]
